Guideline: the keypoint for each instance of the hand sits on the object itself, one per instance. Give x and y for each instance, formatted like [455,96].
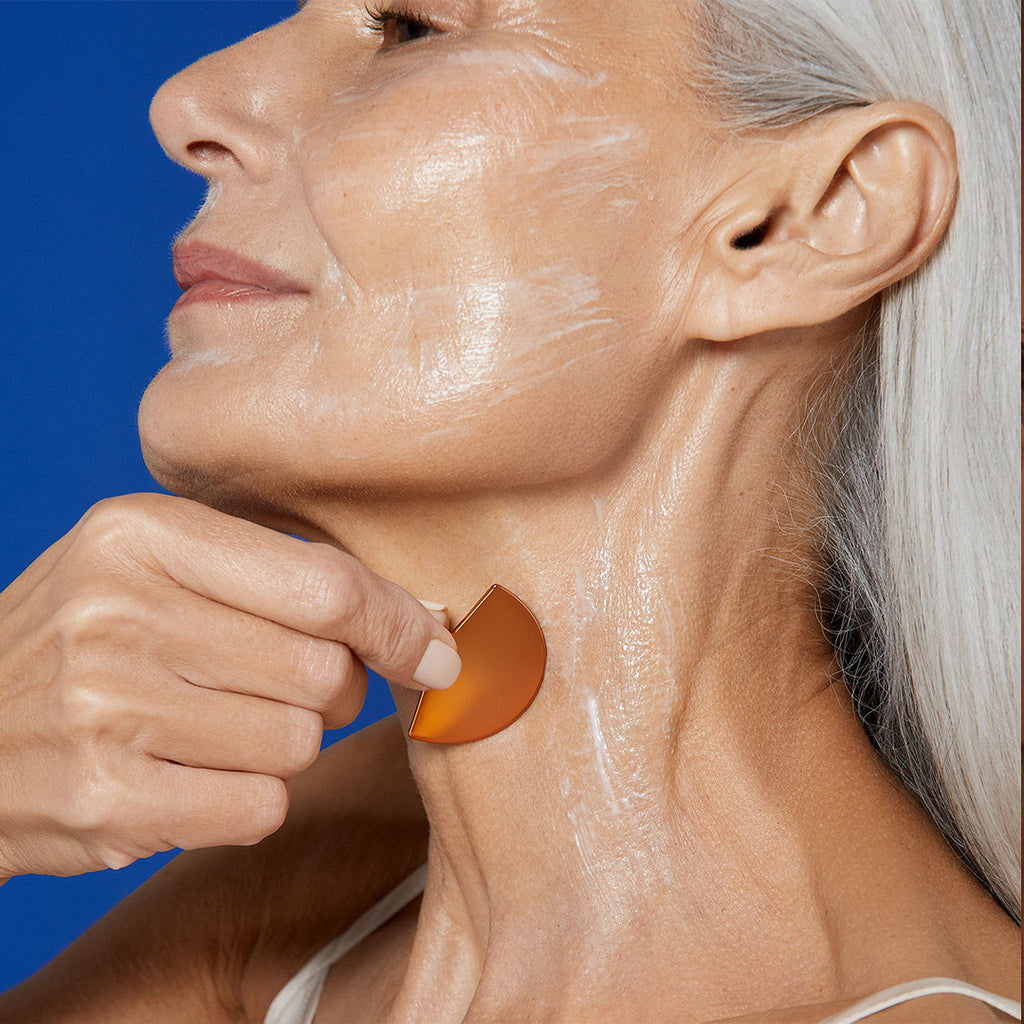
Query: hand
[164,667]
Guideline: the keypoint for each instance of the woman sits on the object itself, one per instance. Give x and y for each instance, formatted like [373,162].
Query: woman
[661,316]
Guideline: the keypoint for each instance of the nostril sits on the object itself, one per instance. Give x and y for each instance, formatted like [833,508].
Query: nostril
[206,149]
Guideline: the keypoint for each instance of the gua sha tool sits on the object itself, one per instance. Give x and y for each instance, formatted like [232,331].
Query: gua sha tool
[503,656]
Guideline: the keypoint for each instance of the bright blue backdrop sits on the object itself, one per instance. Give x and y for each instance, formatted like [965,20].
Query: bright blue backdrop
[88,208]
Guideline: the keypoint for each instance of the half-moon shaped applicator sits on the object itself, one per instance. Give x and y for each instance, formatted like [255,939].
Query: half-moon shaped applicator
[503,656]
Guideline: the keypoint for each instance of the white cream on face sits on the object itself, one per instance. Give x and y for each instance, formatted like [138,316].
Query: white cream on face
[502,322]
[210,357]
[476,218]
[500,329]
[528,66]
[601,752]
[213,193]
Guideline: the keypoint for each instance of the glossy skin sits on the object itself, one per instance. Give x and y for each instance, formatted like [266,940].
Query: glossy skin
[405,188]
[535,358]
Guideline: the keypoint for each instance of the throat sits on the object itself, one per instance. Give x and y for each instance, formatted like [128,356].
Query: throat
[583,886]
[619,841]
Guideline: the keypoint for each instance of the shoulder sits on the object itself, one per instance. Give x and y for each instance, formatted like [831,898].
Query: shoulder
[355,829]
[217,932]
[935,1009]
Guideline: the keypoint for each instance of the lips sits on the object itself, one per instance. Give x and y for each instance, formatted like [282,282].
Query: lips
[206,273]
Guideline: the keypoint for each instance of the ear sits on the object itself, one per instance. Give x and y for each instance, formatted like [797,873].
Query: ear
[843,206]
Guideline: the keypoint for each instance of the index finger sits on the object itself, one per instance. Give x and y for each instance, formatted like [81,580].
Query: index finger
[309,587]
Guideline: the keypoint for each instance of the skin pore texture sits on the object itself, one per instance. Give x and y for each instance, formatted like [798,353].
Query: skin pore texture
[511,240]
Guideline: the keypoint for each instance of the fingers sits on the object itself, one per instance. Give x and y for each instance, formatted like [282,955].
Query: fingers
[234,651]
[408,647]
[438,612]
[166,667]
[154,714]
[210,808]
[109,813]
[231,732]
[195,768]
[312,588]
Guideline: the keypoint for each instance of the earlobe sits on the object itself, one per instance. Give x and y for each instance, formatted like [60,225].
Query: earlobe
[849,203]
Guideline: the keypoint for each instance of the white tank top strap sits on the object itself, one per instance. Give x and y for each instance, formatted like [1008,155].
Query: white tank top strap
[296,1003]
[914,990]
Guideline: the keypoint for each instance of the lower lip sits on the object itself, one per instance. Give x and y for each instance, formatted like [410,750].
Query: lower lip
[226,292]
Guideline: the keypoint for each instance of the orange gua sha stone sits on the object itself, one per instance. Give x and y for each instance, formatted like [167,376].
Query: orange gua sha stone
[503,656]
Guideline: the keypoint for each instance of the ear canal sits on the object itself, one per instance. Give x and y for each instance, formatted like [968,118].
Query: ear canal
[752,238]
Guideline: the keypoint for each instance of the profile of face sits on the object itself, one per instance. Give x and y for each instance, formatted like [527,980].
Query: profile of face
[483,218]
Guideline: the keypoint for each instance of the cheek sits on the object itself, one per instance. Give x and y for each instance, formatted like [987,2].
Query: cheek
[514,380]
[487,295]
[423,176]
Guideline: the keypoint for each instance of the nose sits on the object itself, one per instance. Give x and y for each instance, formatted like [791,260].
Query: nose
[216,117]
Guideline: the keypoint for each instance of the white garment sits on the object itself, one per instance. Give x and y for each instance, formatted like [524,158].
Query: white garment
[914,990]
[296,1003]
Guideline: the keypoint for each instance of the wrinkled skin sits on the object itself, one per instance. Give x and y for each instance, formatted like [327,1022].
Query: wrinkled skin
[511,237]
[431,197]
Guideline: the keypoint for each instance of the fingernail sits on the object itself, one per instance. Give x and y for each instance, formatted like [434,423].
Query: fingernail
[439,667]
[438,611]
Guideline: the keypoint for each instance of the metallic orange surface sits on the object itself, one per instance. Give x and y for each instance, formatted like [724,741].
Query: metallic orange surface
[503,656]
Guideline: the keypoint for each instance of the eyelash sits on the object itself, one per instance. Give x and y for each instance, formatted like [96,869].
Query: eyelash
[385,19]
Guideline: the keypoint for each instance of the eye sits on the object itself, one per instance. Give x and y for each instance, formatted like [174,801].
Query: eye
[398,25]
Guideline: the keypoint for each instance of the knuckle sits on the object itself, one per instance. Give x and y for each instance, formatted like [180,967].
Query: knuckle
[86,710]
[95,802]
[350,703]
[344,603]
[116,858]
[326,666]
[334,591]
[302,738]
[269,806]
[108,535]
[100,616]
[103,526]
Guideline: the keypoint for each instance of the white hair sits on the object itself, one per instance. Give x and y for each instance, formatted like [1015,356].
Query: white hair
[921,529]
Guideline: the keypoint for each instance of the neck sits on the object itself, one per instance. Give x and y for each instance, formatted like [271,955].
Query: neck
[663,805]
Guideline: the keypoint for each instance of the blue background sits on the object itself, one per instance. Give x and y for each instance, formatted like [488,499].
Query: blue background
[88,207]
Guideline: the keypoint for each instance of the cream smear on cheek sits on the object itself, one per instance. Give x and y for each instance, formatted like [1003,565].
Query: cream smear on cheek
[491,335]
[457,324]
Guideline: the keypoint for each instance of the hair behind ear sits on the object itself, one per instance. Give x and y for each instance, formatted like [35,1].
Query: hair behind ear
[922,536]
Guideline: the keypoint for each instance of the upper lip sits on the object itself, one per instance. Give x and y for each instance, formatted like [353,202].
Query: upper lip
[197,261]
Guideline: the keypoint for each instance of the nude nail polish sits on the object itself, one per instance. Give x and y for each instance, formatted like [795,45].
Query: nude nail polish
[438,611]
[439,667]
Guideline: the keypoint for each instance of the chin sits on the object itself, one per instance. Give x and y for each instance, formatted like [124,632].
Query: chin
[189,448]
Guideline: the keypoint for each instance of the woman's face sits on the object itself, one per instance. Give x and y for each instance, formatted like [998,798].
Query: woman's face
[485,214]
